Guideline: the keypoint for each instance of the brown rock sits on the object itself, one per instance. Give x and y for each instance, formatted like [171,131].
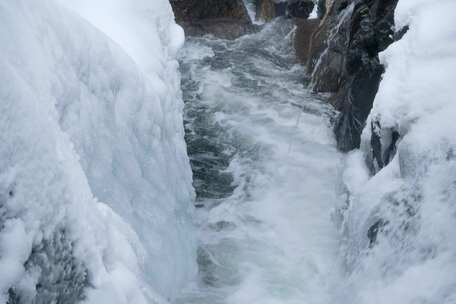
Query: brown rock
[305,28]
[194,10]
[321,35]
[223,18]
[225,28]
[268,9]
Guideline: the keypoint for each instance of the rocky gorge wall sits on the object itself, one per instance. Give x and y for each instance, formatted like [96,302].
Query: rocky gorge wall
[343,59]
[339,44]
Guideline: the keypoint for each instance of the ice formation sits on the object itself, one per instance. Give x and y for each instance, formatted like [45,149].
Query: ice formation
[95,186]
[399,226]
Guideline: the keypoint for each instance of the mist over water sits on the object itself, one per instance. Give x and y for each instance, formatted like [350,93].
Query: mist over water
[266,171]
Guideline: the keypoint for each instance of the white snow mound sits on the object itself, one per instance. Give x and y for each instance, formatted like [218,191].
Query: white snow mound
[91,112]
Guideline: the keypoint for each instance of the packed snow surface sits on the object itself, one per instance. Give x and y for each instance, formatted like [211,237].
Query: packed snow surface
[95,186]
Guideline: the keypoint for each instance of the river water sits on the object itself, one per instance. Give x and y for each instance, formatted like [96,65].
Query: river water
[266,171]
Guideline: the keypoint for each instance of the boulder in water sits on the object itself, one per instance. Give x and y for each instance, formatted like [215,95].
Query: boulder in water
[269,9]
[223,18]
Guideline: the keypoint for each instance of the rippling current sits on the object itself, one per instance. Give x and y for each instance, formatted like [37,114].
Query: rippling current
[266,172]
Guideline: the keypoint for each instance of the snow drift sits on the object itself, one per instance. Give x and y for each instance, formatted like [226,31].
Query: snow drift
[95,186]
[399,223]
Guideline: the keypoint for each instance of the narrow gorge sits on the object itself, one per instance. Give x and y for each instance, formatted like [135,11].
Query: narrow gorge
[227,152]
[263,154]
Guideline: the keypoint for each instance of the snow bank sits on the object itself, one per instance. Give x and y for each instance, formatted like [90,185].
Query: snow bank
[399,224]
[91,110]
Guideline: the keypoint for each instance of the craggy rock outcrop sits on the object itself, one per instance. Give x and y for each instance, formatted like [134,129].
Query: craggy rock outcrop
[223,18]
[269,9]
[343,59]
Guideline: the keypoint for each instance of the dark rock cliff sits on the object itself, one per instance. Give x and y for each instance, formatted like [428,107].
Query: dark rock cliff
[343,60]
[341,51]
[223,18]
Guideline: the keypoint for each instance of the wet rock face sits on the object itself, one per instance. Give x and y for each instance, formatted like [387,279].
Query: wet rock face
[223,18]
[344,60]
[321,12]
[225,28]
[269,9]
[300,8]
[305,29]
[192,10]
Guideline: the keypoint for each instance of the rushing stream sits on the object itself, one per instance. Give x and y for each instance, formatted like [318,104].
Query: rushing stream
[266,172]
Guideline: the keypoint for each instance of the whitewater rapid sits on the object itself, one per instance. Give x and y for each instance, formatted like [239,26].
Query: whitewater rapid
[266,172]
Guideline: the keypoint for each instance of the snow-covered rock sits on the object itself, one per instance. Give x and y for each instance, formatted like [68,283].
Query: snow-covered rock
[95,185]
[399,225]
